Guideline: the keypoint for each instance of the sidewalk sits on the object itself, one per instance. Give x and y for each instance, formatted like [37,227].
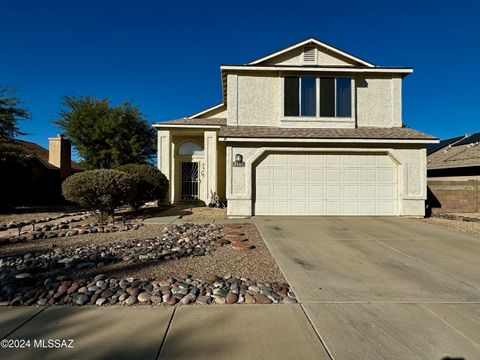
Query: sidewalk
[182,332]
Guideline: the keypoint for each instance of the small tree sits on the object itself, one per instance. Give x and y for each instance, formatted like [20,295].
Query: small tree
[13,170]
[106,136]
[101,190]
[151,183]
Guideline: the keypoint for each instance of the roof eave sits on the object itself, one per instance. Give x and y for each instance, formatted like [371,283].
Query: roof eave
[332,69]
[187,126]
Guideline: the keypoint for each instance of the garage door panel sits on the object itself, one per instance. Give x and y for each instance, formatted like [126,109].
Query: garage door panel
[280,175]
[316,159]
[281,207]
[299,191]
[352,191]
[334,160]
[317,191]
[317,207]
[263,207]
[280,159]
[300,207]
[263,174]
[299,175]
[352,208]
[316,174]
[369,160]
[334,207]
[280,191]
[368,191]
[386,191]
[387,207]
[264,191]
[334,191]
[369,175]
[334,175]
[386,175]
[326,184]
[368,207]
[299,159]
[352,175]
[352,160]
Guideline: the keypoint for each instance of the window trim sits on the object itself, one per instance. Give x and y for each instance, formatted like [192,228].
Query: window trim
[317,116]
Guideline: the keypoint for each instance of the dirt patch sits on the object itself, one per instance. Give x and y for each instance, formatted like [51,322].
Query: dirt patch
[206,213]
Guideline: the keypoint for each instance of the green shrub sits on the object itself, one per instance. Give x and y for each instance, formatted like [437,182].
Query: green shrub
[101,190]
[151,183]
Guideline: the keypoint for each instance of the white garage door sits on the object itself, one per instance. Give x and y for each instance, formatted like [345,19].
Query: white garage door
[326,184]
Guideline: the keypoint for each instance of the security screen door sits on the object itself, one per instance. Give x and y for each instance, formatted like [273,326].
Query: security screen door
[189,181]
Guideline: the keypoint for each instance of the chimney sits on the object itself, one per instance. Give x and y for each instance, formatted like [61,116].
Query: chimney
[59,154]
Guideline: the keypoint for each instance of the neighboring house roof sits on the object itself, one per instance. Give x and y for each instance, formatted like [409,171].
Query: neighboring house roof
[39,152]
[301,133]
[462,151]
[443,143]
[317,42]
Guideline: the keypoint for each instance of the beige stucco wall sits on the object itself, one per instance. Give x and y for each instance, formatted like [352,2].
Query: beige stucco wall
[216,113]
[324,57]
[379,101]
[411,162]
[253,99]
[256,99]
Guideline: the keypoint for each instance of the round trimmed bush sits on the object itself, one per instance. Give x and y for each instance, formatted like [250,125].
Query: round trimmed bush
[101,190]
[151,183]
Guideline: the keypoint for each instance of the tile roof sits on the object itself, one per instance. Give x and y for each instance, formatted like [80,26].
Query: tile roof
[308,133]
[319,133]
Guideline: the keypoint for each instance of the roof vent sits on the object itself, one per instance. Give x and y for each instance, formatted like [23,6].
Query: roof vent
[309,55]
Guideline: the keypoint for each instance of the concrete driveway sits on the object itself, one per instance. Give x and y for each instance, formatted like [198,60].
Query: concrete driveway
[382,288]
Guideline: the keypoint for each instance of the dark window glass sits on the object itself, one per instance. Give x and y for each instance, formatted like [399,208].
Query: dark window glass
[309,98]
[291,101]
[327,97]
[344,97]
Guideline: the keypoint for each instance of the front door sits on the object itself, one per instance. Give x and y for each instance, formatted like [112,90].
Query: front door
[189,181]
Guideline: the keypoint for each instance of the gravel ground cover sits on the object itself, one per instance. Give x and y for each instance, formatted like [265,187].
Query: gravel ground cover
[188,257]
[36,213]
[466,227]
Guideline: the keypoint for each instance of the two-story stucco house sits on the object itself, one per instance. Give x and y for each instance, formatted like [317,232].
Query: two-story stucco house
[307,130]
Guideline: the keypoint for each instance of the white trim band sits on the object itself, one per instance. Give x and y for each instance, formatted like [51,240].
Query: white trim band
[320,140]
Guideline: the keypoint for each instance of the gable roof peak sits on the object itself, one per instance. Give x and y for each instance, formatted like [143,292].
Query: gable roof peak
[312,41]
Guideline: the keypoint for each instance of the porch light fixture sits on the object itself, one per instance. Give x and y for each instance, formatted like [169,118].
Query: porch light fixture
[238,161]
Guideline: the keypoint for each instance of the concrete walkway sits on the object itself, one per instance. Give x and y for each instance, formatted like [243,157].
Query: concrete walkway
[382,288]
[188,332]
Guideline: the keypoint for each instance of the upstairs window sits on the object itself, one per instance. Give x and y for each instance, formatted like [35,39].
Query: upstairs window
[300,96]
[334,97]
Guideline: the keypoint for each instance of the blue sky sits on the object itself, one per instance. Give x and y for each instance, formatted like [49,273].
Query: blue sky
[166,55]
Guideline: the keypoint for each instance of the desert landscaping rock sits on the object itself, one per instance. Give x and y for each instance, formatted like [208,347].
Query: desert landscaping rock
[185,291]
[176,241]
[67,275]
